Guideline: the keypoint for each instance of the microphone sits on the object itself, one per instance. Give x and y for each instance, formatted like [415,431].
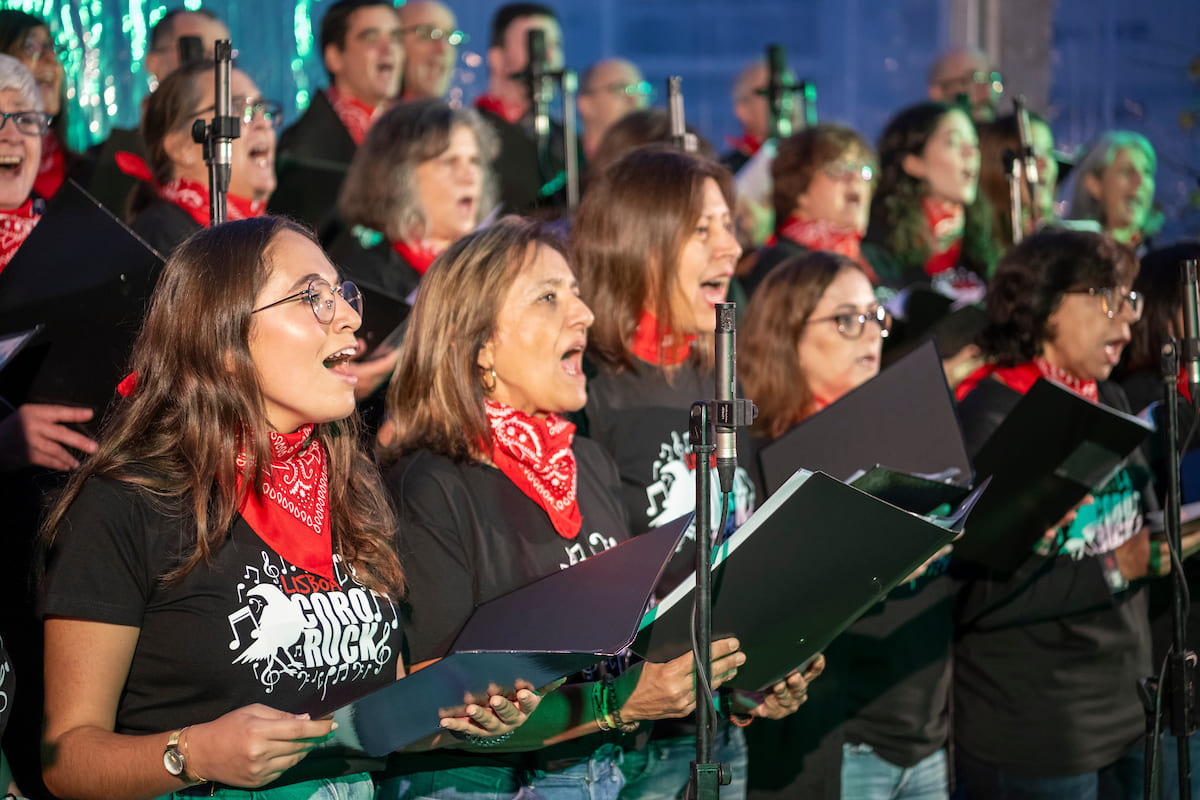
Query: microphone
[779,93]
[1028,160]
[537,77]
[726,416]
[1191,327]
[687,142]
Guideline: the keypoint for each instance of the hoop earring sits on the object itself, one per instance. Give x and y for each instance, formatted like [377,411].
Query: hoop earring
[492,388]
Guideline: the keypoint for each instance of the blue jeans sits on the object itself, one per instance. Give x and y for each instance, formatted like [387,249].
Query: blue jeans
[349,787]
[598,778]
[1121,780]
[661,771]
[595,778]
[1169,758]
[867,776]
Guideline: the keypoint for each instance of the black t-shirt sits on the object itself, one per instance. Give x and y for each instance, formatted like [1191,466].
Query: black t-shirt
[8,688]
[468,535]
[1047,661]
[247,628]
[164,226]
[641,418]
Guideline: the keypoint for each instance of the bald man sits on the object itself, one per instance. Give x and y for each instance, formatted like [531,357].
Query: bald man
[966,71]
[608,90]
[431,39]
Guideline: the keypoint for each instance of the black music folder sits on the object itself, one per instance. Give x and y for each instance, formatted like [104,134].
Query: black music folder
[1050,451]
[547,630]
[808,563]
[86,278]
[384,318]
[902,419]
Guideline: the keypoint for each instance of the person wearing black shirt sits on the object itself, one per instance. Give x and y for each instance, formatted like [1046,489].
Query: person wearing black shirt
[494,492]
[655,249]
[225,558]
[1048,657]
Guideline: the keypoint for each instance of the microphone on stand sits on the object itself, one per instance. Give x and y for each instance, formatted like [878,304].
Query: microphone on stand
[780,88]
[726,422]
[1191,327]
[685,141]
[218,135]
[1029,164]
[537,77]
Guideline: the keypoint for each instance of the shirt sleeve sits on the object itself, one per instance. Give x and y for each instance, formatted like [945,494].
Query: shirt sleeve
[99,566]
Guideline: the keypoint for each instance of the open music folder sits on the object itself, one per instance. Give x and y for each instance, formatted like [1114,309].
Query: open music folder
[806,565]
[1050,451]
[547,630]
[85,278]
[902,419]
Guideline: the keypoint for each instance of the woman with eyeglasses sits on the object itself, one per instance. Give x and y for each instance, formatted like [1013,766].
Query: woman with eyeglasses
[28,39]
[172,200]
[929,225]
[1048,659]
[821,190]
[880,727]
[226,558]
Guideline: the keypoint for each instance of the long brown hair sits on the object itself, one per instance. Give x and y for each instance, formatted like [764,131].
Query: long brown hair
[627,239]
[769,366]
[435,399]
[198,404]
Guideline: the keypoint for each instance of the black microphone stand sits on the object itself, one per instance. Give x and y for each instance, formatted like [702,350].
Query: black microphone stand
[217,136]
[539,80]
[707,777]
[1178,692]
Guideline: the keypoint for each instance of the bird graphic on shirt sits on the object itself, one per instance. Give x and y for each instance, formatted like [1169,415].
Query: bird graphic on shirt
[280,625]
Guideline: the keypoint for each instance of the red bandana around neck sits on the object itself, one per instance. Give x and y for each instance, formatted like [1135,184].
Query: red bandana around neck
[52,170]
[819,234]
[946,221]
[189,195]
[15,226]
[1022,377]
[418,256]
[653,346]
[746,144]
[492,103]
[290,509]
[536,455]
[355,115]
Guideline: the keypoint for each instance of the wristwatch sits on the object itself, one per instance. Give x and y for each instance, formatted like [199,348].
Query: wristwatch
[173,758]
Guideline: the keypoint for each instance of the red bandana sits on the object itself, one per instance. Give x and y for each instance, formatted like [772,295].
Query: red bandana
[418,257]
[1022,377]
[535,454]
[355,115]
[290,509]
[1181,384]
[492,103]
[15,225]
[52,170]
[946,222]
[746,144]
[654,346]
[192,197]
[819,234]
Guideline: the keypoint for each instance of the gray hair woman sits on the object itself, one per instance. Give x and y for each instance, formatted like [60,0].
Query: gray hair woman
[20,135]
[420,182]
[1115,187]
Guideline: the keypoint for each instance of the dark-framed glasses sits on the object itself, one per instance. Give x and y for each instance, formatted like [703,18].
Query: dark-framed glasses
[844,170]
[432,33]
[1114,299]
[322,298]
[30,123]
[250,108]
[851,324]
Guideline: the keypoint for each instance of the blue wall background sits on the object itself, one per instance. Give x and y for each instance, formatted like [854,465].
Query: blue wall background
[1115,63]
